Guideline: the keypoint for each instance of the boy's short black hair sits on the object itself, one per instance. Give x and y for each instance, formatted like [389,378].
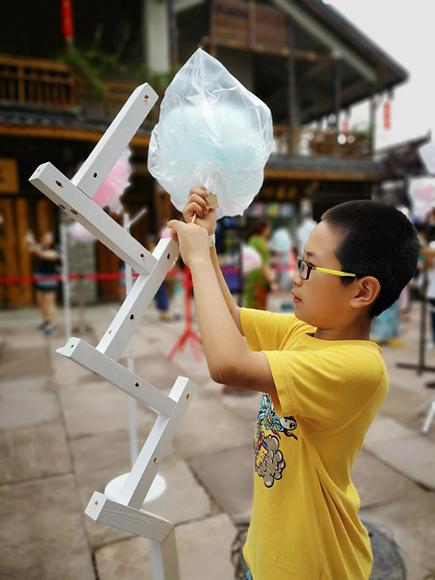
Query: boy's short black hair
[378,240]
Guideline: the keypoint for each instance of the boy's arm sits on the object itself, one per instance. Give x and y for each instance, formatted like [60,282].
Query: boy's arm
[229,359]
[230,302]
[197,208]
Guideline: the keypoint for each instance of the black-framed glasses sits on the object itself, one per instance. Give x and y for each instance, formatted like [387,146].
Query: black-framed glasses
[304,270]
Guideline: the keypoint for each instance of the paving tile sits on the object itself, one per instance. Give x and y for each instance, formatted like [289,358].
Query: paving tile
[155,369]
[376,482]
[403,403]
[414,457]
[33,452]
[42,534]
[409,521]
[203,549]
[98,407]
[184,499]
[24,362]
[385,429]
[67,373]
[246,407]
[101,458]
[209,427]
[227,476]
[98,460]
[27,402]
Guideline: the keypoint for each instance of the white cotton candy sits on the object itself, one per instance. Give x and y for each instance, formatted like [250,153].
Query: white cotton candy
[213,132]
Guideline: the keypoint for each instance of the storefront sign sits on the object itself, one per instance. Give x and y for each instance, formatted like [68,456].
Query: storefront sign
[8,176]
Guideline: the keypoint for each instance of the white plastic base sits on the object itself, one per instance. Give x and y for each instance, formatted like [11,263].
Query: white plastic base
[157,489]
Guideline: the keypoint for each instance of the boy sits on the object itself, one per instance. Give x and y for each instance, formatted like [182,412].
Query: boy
[323,381]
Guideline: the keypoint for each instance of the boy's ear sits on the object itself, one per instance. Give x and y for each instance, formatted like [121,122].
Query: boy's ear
[367,290]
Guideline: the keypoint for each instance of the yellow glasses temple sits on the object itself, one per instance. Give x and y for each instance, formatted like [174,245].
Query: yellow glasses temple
[335,272]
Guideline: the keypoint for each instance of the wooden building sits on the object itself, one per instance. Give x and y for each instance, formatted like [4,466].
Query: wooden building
[301,57]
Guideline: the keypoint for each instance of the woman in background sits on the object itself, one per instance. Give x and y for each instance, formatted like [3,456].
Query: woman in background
[260,280]
[46,273]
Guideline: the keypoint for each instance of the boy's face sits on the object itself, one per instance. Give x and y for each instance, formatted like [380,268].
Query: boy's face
[323,300]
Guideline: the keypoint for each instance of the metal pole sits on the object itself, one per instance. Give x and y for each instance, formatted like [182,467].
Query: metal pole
[172,21]
[66,290]
[132,403]
[292,90]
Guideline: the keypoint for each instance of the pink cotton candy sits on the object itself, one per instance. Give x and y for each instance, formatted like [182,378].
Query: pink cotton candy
[251,259]
[79,233]
[116,182]
[165,232]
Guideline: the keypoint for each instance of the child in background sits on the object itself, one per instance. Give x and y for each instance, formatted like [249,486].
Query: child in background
[322,378]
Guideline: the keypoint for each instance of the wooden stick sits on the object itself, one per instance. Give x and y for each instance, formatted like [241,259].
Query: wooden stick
[193,219]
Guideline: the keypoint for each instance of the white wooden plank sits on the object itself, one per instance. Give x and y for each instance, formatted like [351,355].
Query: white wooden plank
[50,181]
[107,511]
[164,558]
[90,358]
[156,446]
[129,316]
[114,141]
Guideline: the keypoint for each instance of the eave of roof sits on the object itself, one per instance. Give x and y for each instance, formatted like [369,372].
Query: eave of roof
[64,126]
[357,38]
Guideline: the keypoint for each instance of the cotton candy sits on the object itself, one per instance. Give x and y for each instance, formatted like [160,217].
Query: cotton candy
[213,132]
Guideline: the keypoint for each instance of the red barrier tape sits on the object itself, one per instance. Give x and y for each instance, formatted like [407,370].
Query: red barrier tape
[110,276]
[98,276]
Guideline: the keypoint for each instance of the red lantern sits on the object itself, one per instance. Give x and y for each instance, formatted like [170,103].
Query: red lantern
[67,20]
[387,114]
[345,124]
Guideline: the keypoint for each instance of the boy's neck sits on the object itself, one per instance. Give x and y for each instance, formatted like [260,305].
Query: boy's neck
[358,330]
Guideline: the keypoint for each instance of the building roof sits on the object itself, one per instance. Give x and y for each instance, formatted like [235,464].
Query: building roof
[37,123]
[364,68]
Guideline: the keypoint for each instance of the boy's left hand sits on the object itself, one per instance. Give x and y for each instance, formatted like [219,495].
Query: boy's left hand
[192,239]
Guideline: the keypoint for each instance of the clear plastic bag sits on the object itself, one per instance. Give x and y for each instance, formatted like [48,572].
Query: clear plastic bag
[213,132]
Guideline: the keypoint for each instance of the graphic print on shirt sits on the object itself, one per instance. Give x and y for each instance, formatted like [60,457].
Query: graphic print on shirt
[269,460]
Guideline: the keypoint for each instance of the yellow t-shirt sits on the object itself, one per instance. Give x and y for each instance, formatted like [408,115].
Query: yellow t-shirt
[305,523]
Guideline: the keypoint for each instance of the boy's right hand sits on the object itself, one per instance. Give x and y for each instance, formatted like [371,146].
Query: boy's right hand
[197,205]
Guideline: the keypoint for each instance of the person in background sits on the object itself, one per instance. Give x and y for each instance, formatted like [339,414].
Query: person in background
[260,280]
[427,274]
[46,273]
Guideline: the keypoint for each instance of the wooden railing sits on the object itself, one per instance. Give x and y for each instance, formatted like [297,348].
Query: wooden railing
[48,84]
[307,141]
[36,81]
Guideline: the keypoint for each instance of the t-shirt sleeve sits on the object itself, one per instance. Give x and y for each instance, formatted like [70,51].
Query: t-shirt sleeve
[265,330]
[327,386]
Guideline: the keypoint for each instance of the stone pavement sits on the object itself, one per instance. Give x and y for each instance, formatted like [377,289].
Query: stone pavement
[64,434]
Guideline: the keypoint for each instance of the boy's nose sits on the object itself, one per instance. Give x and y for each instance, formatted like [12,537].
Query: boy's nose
[296,279]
